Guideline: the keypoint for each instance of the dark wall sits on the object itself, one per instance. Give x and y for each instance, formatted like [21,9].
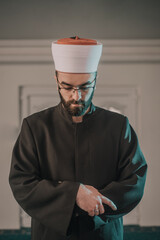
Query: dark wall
[108,19]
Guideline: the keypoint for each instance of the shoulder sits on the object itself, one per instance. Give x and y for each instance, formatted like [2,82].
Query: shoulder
[41,117]
[111,117]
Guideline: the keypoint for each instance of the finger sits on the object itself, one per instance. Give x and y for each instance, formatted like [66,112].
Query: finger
[97,207]
[96,212]
[91,213]
[109,203]
[100,206]
[101,209]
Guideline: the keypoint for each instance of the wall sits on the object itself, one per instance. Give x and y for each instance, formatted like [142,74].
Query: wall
[111,19]
[118,67]
[100,19]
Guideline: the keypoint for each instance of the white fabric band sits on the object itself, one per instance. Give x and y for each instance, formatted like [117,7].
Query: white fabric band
[76,58]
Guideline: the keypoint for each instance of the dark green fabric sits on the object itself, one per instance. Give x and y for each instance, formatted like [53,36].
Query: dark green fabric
[130,233]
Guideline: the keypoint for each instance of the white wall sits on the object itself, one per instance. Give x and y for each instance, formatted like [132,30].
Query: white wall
[146,78]
[121,66]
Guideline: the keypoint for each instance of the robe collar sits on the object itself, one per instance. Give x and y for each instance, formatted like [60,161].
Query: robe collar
[68,117]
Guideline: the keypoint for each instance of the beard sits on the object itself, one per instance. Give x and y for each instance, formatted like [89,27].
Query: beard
[76,111]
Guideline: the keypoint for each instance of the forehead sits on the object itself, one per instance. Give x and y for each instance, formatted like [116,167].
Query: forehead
[75,78]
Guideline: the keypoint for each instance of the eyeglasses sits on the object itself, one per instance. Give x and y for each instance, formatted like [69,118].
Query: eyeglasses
[84,88]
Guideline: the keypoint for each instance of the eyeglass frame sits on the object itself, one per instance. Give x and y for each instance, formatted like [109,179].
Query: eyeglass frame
[78,88]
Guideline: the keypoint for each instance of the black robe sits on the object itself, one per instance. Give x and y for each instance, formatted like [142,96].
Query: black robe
[53,155]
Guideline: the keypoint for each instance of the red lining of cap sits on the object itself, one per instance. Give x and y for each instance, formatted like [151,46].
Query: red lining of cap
[77,41]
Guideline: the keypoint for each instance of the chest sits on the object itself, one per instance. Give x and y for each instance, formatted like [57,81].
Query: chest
[81,152]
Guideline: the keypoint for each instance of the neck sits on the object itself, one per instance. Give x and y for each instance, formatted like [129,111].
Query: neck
[78,119]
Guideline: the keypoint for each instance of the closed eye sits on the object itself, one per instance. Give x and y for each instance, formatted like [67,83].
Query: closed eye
[68,88]
[84,88]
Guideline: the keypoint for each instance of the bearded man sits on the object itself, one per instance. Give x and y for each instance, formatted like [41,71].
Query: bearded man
[77,168]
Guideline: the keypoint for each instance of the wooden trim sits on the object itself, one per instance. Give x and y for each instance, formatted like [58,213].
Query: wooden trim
[39,51]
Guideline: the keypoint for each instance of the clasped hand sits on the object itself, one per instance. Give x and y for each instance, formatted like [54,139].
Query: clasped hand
[91,200]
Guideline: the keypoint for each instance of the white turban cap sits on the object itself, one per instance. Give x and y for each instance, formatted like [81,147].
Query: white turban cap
[76,55]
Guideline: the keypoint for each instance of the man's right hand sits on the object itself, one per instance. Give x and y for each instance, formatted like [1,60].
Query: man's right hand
[90,200]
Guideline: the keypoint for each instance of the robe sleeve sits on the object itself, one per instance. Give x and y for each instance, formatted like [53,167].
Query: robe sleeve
[127,191]
[49,202]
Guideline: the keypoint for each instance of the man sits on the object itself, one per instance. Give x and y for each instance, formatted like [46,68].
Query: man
[77,168]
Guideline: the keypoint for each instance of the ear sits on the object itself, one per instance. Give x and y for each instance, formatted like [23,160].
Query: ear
[55,77]
[56,81]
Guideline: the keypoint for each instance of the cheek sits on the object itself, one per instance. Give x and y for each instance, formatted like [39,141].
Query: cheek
[65,97]
[87,96]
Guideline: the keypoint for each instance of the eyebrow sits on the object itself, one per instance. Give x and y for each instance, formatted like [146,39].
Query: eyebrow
[73,86]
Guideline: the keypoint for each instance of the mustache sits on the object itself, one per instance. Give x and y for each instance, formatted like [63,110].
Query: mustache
[76,102]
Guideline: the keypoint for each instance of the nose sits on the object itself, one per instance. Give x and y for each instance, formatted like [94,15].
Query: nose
[77,94]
